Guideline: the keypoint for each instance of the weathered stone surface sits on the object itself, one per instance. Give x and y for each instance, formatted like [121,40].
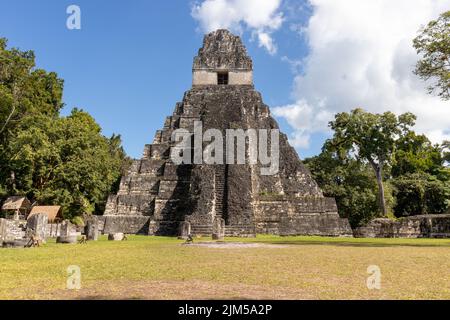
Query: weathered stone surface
[91,229]
[53,230]
[17,243]
[128,224]
[222,50]
[67,233]
[3,230]
[67,229]
[116,236]
[67,239]
[156,196]
[185,230]
[13,233]
[218,232]
[422,226]
[37,226]
[324,224]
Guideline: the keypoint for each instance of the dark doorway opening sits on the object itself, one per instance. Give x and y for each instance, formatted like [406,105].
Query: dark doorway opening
[222,78]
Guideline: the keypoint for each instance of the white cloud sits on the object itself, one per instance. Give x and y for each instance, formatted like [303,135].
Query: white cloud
[261,17]
[306,120]
[361,55]
[295,64]
[266,41]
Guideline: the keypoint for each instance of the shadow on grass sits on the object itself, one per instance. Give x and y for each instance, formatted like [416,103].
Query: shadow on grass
[106,298]
[359,244]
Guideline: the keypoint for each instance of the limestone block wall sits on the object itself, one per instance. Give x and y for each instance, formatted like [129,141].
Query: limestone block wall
[124,224]
[240,78]
[206,77]
[302,216]
[319,224]
[423,226]
[203,77]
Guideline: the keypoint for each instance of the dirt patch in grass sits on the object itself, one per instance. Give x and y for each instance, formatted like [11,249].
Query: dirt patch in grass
[176,290]
[234,245]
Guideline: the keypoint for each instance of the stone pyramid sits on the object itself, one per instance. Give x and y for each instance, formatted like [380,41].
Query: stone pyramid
[160,197]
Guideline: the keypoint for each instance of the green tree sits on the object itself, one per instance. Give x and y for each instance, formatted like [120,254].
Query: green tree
[446,150]
[421,182]
[420,193]
[433,43]
[66,161]
[415,154]
[351,182]
[49,158]
[24,92]
[370,138]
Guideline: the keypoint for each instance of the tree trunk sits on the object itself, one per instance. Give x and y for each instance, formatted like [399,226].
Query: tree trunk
[381,191]
[13,181]
[379,174]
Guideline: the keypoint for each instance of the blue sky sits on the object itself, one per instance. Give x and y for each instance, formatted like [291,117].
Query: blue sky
[131,61]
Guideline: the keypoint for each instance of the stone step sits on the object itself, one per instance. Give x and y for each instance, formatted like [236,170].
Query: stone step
[245,231]
[220,191]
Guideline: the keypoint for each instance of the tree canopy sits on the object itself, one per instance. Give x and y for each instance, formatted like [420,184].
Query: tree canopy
[433,44]
[414,177]
[51,159]
[371,138]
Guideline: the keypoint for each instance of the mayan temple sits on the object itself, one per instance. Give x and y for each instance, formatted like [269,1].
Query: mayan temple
[158,197]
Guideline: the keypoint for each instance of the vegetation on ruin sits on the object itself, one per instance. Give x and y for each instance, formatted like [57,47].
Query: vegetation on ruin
[158,267]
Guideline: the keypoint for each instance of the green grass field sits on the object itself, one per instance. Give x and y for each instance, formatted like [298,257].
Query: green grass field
[295,268]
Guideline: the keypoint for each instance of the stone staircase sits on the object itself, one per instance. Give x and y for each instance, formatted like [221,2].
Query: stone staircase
[221,191]
[240,231]
[201,230]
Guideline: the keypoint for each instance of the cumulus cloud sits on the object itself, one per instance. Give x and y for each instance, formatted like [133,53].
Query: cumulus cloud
[305,119]
[361,55]
[260,17]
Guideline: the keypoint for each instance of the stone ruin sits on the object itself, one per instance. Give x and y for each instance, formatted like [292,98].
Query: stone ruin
[420,226]
[19,233]
[159,197]
[91,230]
[67,233]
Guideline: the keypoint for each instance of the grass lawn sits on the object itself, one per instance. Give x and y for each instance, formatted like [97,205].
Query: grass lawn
[283,268]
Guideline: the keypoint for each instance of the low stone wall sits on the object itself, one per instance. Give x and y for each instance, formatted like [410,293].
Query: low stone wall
[124,224]
[424,226]
[321,224]
[312,216]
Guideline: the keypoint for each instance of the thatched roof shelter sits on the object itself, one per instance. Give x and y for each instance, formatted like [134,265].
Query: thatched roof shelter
[16,203]
[16,207]
[53,212]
